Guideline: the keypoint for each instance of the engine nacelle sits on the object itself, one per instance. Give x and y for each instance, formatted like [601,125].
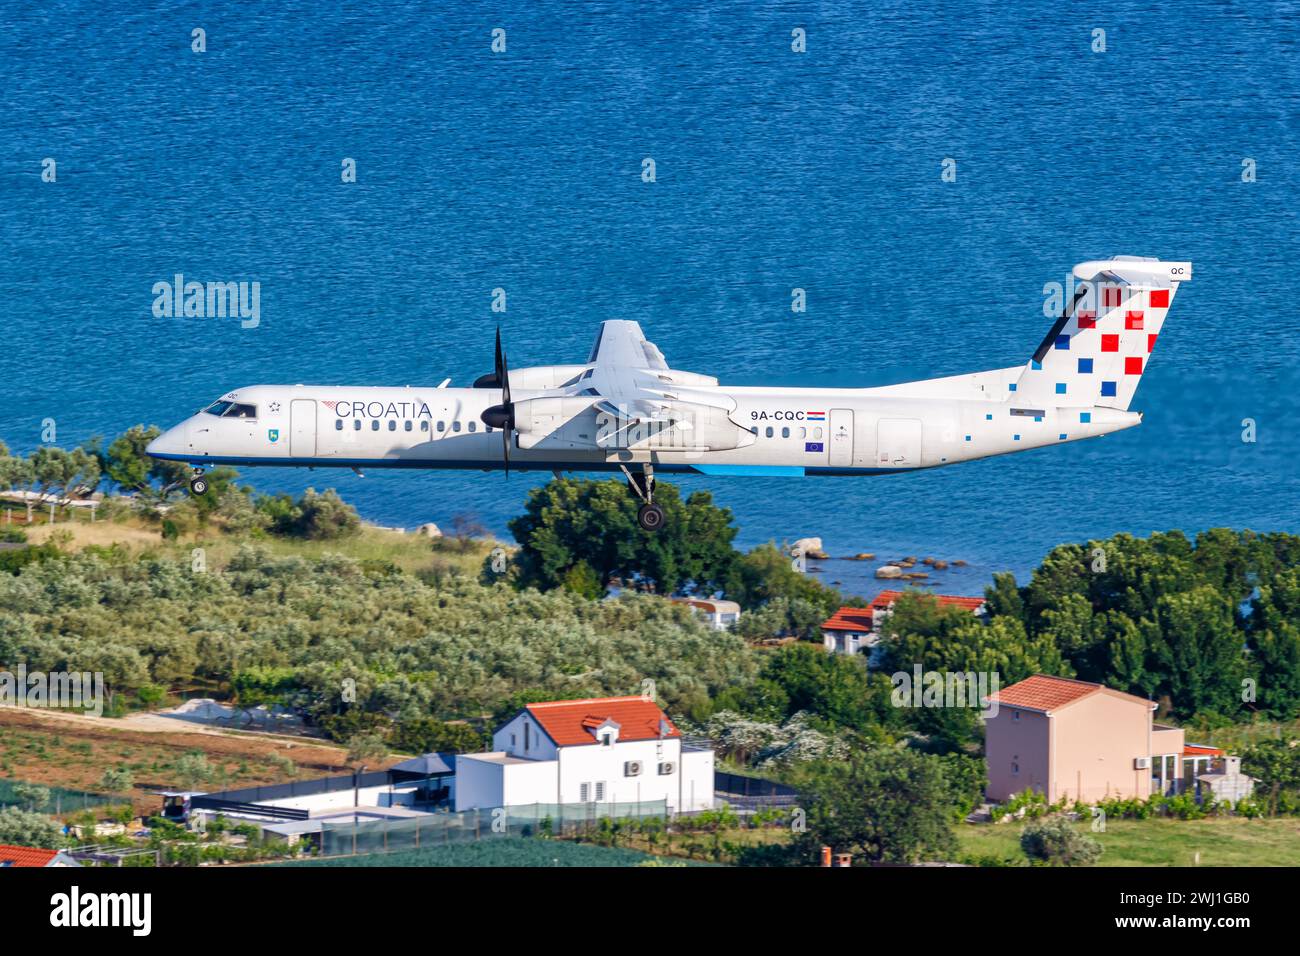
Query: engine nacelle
[561,422]
[542,377]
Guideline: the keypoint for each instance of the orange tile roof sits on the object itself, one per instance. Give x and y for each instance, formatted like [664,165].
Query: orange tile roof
[850,619]
[572,722]
[1045,693]
[25,855]
[886,599]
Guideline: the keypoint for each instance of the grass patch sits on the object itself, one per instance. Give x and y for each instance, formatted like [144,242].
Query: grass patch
[1228,841]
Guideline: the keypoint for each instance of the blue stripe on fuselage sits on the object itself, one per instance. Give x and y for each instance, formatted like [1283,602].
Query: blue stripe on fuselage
[752,471]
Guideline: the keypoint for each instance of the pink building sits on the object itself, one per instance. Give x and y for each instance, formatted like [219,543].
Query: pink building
[1082,741]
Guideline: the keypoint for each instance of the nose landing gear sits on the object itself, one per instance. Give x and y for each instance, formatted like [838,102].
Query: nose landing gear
[198,484]
[642,484]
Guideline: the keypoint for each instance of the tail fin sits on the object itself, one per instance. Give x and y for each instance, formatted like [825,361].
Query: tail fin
[1098,349]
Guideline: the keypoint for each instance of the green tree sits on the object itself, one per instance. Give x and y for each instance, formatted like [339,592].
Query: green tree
[883,805]
[132,469]
[1276,765]
[20,827]
[569,522]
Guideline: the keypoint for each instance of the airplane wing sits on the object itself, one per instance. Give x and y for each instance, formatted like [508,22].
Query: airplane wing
[622,344]
[629,374]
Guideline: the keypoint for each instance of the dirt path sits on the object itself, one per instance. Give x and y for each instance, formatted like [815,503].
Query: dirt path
[73,750]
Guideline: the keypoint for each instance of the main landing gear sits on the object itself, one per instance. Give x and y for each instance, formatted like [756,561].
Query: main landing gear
[198,484]
[642,484]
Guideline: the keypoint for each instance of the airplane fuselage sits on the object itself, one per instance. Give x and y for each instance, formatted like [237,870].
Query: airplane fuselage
[792,431]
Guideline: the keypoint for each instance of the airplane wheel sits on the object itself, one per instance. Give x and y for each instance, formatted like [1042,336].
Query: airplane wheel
[650,517]
[198,485]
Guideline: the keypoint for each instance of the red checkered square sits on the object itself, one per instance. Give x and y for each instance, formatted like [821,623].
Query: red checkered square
[1151,342]
[1111,296]
[1159,298]
[1087,320]
[1133,365]
[1133,320]
[1110,343]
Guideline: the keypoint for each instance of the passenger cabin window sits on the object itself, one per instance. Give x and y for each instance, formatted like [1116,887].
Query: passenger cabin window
[392,424]
[785,433]
[408,426]
[424,425]
[455,426]
[338,424]
[473,425]
[442,426]
[374,424]
[768,432]
[356,424]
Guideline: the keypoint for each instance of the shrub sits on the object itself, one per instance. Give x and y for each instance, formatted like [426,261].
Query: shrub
[1056,841]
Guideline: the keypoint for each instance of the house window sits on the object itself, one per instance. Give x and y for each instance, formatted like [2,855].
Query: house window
[1015,715]
[1015,769]
[606,740]
[584,792]
[527,736]
[600,790]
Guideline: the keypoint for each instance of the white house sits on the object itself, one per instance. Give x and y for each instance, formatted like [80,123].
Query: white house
[608,750]
[718,614]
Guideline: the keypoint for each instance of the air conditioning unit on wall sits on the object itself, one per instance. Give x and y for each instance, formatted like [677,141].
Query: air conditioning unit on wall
[667,767]
[632,768]
[1141,763]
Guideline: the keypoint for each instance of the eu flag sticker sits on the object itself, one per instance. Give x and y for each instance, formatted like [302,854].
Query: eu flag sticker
[813,446]
[273,435]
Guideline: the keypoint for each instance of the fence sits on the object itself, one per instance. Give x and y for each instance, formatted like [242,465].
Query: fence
[752,793]
[61,800]
[386,836]
[298,788]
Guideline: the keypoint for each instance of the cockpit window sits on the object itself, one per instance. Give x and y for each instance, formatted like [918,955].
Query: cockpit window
[218,408]
[237,410]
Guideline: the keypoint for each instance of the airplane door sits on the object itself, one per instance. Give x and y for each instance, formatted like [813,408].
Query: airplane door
[841,429]
[302,428]
[899,443]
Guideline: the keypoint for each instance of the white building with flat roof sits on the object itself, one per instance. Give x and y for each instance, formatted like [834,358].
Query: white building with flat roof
[620,750]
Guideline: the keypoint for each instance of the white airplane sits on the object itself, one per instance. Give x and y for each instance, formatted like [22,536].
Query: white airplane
[625,410]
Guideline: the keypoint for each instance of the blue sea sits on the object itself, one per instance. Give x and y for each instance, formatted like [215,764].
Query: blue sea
[774,170]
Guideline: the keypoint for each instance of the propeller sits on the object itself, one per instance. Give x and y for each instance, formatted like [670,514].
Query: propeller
[501,416]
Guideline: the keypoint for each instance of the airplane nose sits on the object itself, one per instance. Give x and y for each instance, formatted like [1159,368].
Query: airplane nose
[170,442]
